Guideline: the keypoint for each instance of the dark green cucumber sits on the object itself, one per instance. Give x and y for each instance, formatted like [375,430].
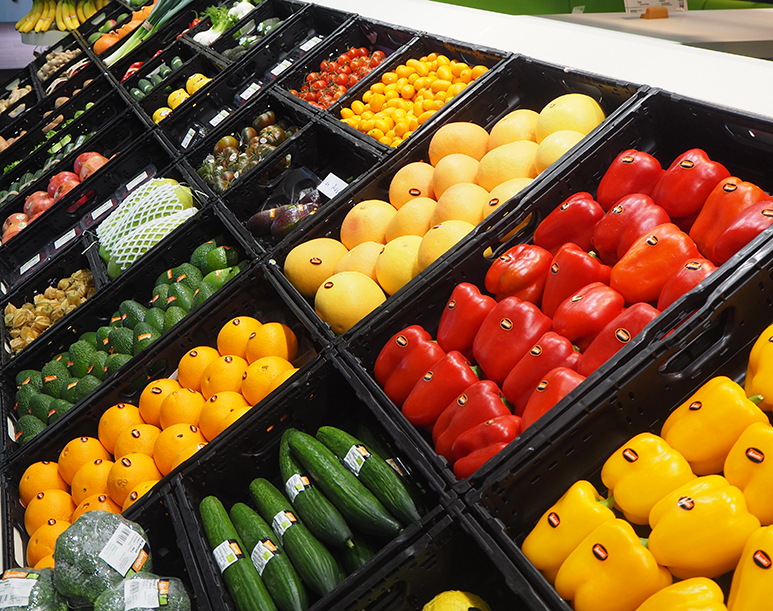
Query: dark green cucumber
[241,578]
[316,566]
[317,512]
[273,565]
[350,496]
[371,470]
[352,558]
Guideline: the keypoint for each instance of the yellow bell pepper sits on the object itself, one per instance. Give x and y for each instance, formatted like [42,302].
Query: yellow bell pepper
[705,427]
[610,571]
[759,371]
[749,466]
[696,594]
[699,529]
[643,471]
[753,578]
[563,527]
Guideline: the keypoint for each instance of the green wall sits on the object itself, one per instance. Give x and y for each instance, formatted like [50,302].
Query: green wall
[549,7]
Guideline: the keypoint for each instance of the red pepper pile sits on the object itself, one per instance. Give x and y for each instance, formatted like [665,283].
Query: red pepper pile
[568,302]
[323,88]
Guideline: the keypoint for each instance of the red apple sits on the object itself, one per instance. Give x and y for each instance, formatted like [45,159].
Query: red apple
[58,179]
[32,199]
[76,167]
[14,219]
[39,206]
[91,165]
[62,189]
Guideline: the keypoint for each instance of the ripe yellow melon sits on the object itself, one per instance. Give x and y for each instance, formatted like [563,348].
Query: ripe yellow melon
[309,264]
[411,181]
[366,222]
[518,125]
[439,239]
[398,264]
[574,111]
[411,219]
[346,298]
[463,201]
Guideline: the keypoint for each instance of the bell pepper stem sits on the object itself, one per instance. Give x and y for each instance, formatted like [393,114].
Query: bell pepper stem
[608,502]
[756,399]
[645,542]
[477,371]
[507,403]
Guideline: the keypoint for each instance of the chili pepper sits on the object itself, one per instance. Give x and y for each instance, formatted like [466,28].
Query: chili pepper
[478,403]
[627,325]
[520,272]
[693,272]
[563,527]
[641,472]
[465,467]
[632,171]
[759,370]
[464,313]
[437,388]
[700,529]
[507,332]
[572,221]
[581,317]
[746,226]
[610,570]
[694,594]
[572,269]
[726,201]
[651,261]
[502,429]
[631,217]
[131,70]
[753,579]
[687,183]
[556,384]
[748,466]
[402,362]
[706,426]
[551,350]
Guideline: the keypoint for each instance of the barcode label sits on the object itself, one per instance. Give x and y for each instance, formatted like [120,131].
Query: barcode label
[263,551]
[355,458]
[67,237]
[188,137]
[281,522]
[295,485]
[136,181]
[281,67]
[15,591]
[29,264]
[143,593]
[101,210]
[331,186]
[218,118]
[123,550]
[250,91]
[227,553]
[311,43]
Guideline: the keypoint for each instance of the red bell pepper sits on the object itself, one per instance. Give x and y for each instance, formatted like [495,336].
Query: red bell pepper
[686,279]
[572,221]
[551,350]
[402,362]
[728,199]
[468,465]
[687,183]
[478,403]
[437,388]
[502,429]
[555,386]
[650,261]
[627,325]
[572,269]
[746,226]
[508,331]
[631,217]
[581,317]
[520,272]
[131,70]
[632,171]
[462,317]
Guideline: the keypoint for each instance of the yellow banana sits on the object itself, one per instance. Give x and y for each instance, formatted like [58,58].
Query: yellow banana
[60,25]
[74,15]
[49,16]
[25,18]
[79,11]
[32,17]
[89,9]
[69,16]
[42,16]
[66,15]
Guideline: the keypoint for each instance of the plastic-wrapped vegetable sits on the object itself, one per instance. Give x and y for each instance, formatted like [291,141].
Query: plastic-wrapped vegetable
[30,590]
[145,590]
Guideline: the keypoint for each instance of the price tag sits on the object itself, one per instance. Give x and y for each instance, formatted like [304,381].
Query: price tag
[15,589]
[355,458]
[281,67]
[29,264]
[311,43]
[67,237]
[250,91]
[578,10]
[263,551]
[188,137]
[227,553]
[331,186]
[101,210]
[125,550]
[218,118]
[295,485]
[143,593]
[136,181]
[637,7]
[281,522]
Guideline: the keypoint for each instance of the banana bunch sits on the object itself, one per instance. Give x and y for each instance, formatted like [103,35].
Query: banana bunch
[66,15]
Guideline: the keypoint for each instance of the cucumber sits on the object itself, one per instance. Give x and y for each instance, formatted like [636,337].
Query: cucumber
[352,558]
[241,578]
[145,86]
[350,496]
[176,63]
[373,471]
[273,565]
[316,566]
[317,512]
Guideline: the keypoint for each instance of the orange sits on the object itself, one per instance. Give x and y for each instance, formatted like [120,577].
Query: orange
[259,375]
[115,421]
[458,137]
[137,492]
[224,373]
[43,540]
[90,479]
[232,417]
[216,408]
[127,472]
[281,379]
[192,365]
[453,169]
[40,476]
[170,442]
[366,222]
[77,453]
[272,339]
[182,405]
[232,338]
[411,181]
[46,562]
[96,502]
[50,504]
[186,453]
[153,396]
[140,438]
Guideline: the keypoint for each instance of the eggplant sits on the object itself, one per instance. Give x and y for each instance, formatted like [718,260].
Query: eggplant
[260,223]
[288,218]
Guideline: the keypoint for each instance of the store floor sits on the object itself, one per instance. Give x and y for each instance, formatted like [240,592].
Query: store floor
[13,54]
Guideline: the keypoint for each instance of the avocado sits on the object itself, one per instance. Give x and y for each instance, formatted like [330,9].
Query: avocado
[68,389]
[30,376]
[155,318]
[201,294]
[144,335]
[160,293]
[165,277]
[28,427]
[57,409]
[198,258]
[173,315]
[218,277]
[132,313]
[90,337]
[113,270]
[181,296]
[103,339]
[23,396]
[97,365]
[116,361]
[188,274]
[220,257]
[39,405]
[233,272]
[86,385]
[62,357]
[121,340]
[80,357]
[115,320]
[54,375]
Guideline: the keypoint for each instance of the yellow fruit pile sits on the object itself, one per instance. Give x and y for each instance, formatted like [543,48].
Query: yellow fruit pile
[390,111]
[137,445]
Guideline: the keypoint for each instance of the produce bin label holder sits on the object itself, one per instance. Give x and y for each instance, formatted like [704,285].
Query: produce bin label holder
[65,239]
[249,91]
[120,194]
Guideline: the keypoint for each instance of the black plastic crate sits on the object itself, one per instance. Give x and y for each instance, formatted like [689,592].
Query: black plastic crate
[71,42]
[17,109]
[112,10]
[179,48]
[320,396]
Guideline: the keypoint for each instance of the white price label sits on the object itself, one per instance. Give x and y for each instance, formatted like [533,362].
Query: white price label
[125,550]
[15,589]
[188,137]
[144,593]
[67,237]
[250,91]
[101,210]
[637,7]
[263,551]
[3,288]
[227,553]
[29,264]
[295,485]
[331,186]
[281,522]
[355,458]
[134,182]
[311,43]
[218,118]
[281,67]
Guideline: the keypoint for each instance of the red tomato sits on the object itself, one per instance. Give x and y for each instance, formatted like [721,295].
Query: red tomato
[355,63]
[294,92]
[364,52]
[318,84]
[374,62]
[344,70]
[353,80]
[343,59]
[341,79]
[379,54]
[312,76]
[353,53]
[332,66]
